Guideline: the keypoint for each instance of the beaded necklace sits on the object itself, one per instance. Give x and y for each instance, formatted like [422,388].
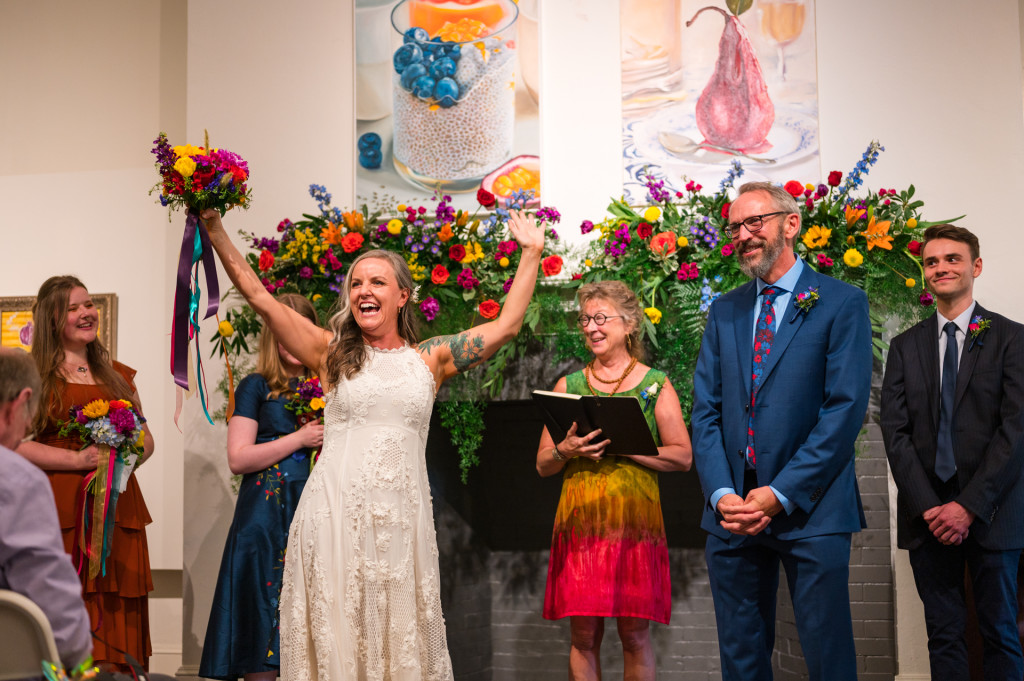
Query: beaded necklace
[589,369]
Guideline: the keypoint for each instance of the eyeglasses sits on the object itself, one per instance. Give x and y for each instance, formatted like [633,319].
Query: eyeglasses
[754,224]
[600,318]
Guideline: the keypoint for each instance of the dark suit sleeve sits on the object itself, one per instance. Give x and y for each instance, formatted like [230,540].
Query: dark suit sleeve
[829,447]
[706,419]
[897,432]
[1004,456]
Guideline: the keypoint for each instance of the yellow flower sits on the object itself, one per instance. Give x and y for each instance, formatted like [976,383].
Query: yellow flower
[653,313]
[809,187]
[817,237]
[877,234]
[853,258]
[225,328]
[316,297]
[317,403]
[96,409]
[853,214]
[401,207]
[652,214]
[185,166]
[188,150]
[588,262]
[911,223]
[503,262]
[910,283]
[141,442]
[474,252]
[682,242]
[850,240]
[395,226]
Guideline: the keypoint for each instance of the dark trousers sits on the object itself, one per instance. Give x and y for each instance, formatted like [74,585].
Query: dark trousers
[744,581]
[939,574]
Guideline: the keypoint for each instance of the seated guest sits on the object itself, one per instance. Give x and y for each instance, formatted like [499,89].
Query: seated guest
[32,558]
[609,556]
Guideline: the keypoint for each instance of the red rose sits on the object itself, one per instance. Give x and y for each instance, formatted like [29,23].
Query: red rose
[352,242]
[485,198]
[551,265]
[644,230]
[834,178]
[725,210]
[914,247]
[489,309]
[457,252]
[577,276]
[794,188]
[266,260]
[439,275]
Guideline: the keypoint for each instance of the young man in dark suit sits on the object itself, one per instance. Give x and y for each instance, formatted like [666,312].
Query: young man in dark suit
[780,391]
[953,423]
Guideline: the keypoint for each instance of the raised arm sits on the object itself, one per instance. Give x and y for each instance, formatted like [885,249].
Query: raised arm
[301,337]
[449,355]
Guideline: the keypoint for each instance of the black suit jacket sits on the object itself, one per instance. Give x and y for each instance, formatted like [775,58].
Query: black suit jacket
[988,429]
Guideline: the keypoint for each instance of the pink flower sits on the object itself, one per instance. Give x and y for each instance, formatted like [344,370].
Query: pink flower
[727,250]
[586,227]
[926,299]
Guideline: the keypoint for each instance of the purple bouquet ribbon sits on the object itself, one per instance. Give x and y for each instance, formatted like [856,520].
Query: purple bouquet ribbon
[195,246]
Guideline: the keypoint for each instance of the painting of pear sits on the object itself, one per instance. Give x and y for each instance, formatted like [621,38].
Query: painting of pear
[734,110]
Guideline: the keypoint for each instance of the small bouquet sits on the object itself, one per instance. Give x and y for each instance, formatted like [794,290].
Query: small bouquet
[115,427]
[307,403]
[196,178]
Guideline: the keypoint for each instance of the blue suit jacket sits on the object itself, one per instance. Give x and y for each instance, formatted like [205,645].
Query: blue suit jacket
[810,407]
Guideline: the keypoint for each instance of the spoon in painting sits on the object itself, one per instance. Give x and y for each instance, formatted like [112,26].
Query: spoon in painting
[684,147]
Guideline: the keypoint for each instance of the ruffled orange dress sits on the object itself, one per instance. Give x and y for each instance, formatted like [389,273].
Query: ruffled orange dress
[118,602]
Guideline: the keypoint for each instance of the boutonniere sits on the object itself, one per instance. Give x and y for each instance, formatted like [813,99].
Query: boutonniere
[647,393]
[977,329]
[808,299]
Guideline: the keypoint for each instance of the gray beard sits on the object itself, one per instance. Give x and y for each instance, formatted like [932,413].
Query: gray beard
[770,252]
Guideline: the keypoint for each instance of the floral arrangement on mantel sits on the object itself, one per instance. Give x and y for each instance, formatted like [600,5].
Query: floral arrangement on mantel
[675,255]
[463,264]
[672,252]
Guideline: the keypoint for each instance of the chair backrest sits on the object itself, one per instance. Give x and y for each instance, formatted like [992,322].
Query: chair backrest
[25,638]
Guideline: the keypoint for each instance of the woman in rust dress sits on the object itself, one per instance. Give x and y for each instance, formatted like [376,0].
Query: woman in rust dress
[76,369]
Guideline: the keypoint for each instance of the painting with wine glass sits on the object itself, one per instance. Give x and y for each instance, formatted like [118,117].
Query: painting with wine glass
[706,83]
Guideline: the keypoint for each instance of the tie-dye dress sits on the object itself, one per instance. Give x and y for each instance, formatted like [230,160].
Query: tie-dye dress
[609,556]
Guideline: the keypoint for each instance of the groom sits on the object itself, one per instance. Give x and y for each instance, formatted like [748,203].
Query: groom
[953,424]
[780,392]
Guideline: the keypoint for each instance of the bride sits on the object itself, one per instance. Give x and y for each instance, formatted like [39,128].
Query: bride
[361,591]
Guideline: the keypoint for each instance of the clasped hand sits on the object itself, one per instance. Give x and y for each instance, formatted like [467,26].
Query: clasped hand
[949,523]
[583,446]
[751,515]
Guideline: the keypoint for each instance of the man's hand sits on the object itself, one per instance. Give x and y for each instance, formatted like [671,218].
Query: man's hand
[764,498]
[949,523]
[742,517]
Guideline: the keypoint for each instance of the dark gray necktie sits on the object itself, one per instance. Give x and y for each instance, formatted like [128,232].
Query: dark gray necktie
[945,463]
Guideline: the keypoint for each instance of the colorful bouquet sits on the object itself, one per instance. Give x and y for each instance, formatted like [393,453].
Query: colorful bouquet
[196,178]
[307,403]
[115,427]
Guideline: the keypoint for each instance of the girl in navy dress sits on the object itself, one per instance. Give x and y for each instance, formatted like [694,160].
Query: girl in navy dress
[273,455]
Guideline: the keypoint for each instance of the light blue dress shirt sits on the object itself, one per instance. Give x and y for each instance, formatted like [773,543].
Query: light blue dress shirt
[786,284]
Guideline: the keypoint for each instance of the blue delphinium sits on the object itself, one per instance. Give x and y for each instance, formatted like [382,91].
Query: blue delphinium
[863,167]
[735,171]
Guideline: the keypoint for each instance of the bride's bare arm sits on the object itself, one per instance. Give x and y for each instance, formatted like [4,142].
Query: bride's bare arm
[301,337]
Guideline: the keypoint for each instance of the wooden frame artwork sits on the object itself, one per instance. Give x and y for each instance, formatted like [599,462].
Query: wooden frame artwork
[16,325]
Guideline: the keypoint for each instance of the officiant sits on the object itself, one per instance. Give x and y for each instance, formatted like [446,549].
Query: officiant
[609,555]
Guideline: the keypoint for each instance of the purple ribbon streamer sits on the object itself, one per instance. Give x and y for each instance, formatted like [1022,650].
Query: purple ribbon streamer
[181,324]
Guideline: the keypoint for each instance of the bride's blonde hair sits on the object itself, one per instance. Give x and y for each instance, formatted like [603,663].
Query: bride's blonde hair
[347,350]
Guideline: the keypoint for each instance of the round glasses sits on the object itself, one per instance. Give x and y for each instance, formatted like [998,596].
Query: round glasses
[754,224]
[600,318]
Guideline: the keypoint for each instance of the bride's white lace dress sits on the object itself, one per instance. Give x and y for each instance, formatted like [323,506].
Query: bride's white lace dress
[361,593]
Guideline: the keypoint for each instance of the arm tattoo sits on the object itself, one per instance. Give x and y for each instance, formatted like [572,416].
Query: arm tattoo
[466,349]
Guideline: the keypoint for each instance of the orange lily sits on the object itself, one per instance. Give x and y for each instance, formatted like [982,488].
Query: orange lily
[853,214]
[446,233]
[877,234]
[331,234]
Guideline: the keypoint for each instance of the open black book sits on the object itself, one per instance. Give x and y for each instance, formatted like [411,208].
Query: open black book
[620,418]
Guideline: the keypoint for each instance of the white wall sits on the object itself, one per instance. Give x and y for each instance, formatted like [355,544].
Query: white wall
[87,86]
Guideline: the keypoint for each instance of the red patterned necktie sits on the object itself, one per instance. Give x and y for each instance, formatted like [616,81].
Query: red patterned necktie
[763,337]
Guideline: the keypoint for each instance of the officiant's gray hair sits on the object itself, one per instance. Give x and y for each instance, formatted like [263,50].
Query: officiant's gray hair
[622,299]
